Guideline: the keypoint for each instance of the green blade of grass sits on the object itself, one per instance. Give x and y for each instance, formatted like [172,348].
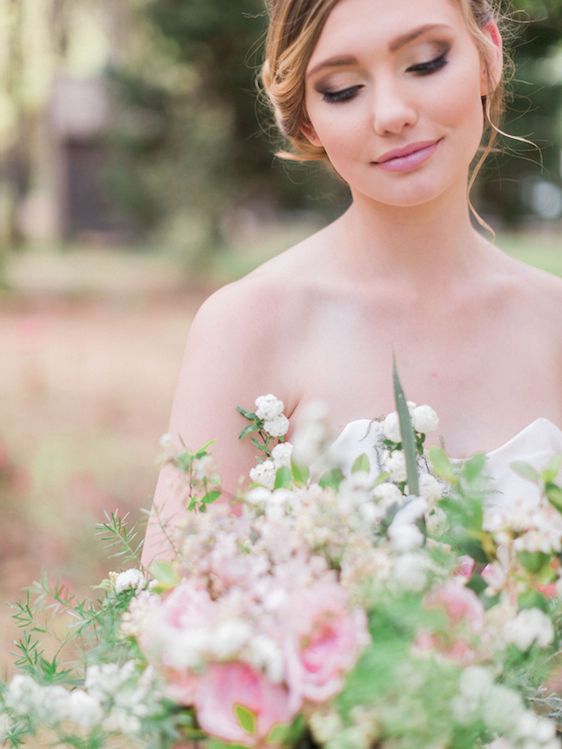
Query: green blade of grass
[406,432]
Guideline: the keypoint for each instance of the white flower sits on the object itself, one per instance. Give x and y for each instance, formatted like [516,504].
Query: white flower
[230,637]
[475,681]
[395,464]
[259,495]
[425,419]
[52,707]
[405,537]
[388,494]
[264,474]
[500,743]
[281,454]
[277,427]
[83,709]
[391,427]
[325,725]
[265,654]
[430,488]
[22,694]
[528,627]
[131,579]
[414,509]
[204,467]
[269,407]
[166,440]
[410,572]
[436,522]
[500,707]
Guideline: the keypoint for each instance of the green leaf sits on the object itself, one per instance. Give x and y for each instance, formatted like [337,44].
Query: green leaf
[300,473]
[246,414]
[552,469]
[554,495]
[183,461]
[533,561]
[204,449]
[210,497]
[525,470]
[406,432]
[260,446]
[164,573]
[532,599]
[247,430]
[246,718]
[283,478]
[381,478]
[278,734]
[332,478]
[361,463]
[441,464]
[473,468]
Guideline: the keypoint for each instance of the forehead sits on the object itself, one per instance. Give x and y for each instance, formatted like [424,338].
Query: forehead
[354,26]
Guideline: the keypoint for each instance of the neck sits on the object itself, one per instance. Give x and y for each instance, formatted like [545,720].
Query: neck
[426,246]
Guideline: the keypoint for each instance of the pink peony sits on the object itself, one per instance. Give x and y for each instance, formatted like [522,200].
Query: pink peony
[225,685]
[325,640]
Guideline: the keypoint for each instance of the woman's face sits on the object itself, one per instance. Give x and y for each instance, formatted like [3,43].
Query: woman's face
[393,94]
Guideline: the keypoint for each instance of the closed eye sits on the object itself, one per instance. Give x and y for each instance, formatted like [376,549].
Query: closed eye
[343,95]
[426,68]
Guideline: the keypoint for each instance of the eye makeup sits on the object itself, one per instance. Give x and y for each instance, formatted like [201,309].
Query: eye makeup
[419,69]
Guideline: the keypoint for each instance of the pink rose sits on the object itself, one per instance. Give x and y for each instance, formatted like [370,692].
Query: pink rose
[325,639]
[186,606]
[223,686]
[184,610]
[463,611]
[461,605]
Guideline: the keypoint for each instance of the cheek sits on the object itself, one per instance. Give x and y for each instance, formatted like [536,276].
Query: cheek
[459,107]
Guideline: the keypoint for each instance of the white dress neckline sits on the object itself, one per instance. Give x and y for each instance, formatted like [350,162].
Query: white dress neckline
[541,422]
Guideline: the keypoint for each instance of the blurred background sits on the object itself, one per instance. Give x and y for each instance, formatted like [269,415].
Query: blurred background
[136,175]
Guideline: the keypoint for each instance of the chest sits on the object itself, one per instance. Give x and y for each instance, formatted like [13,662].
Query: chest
[487,373]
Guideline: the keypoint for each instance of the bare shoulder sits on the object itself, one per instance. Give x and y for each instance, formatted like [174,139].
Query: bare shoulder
[542,290]
[539,295]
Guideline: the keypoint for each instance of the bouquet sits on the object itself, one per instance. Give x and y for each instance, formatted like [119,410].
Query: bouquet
[387,606]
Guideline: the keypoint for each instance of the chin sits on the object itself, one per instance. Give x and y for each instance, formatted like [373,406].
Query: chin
[411,197]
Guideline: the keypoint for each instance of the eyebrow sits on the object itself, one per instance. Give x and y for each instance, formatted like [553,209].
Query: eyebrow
[394,46]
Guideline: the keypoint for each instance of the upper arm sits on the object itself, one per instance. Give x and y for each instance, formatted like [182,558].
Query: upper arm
[231,357]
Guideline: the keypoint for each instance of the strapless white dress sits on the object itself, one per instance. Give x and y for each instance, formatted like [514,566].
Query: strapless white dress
[537,444]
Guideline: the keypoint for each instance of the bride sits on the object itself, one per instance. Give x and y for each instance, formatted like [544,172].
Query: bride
[398,103]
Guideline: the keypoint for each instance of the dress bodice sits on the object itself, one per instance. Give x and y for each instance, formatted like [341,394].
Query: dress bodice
[537,444]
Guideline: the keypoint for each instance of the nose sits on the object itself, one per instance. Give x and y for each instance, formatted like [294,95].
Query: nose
[392,109]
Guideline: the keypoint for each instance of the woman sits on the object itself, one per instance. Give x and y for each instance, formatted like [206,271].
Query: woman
[398,102]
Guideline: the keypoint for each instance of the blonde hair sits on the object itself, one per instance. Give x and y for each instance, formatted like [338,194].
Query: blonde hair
[294,29]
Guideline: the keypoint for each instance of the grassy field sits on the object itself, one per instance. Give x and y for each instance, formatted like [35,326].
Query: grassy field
[91,344]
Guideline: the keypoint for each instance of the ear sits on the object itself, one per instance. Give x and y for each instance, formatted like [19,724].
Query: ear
[492,66]
[310,134]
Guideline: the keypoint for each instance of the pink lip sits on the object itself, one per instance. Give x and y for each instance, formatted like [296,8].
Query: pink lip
[409,157]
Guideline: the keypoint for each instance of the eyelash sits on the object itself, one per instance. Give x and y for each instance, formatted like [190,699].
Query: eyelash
[423,68]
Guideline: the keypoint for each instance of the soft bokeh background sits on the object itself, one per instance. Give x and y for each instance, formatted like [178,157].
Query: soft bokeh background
[136,175]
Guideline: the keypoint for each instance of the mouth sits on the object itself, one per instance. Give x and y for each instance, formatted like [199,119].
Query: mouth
[408,157]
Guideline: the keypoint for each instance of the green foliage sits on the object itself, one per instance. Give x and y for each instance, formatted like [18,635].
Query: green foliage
[124,543]
[361,464]
[331,478]
[246,718]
